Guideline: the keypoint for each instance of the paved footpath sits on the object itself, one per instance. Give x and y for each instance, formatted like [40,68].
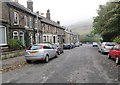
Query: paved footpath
[12,63]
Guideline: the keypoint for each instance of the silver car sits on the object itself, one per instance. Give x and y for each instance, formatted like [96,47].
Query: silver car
[40,52]
[105,47]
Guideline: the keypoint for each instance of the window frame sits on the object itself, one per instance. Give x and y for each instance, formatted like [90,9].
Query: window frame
[5,35]
[17,20]
[30,22]
[16,34]
[26,21]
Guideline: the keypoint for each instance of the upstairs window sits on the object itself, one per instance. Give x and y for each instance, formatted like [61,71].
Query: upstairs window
[16,18]
[30,22]
[25,18]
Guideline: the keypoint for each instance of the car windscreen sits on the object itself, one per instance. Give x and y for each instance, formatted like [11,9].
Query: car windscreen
[36,47]
[109,44]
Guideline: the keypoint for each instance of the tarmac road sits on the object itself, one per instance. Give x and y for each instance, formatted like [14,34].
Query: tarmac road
[79,65]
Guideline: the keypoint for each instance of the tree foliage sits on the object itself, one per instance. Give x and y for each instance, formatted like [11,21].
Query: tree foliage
[90,38]
[27,39]
[107,23]
[15,44]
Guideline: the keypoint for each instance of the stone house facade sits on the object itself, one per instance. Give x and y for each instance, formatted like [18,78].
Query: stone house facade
[16,20]
[71,37]
[52,31]
[4,24]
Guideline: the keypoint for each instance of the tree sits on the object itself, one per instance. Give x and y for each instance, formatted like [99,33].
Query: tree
[107,23]
[27,39]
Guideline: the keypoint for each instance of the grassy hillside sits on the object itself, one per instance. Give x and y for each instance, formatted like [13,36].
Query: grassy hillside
[82,27]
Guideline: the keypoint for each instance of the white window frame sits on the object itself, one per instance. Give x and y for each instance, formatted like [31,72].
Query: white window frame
[16,15]
[21,34]
[30,22]
[5,36]
[25,18]
[15,35]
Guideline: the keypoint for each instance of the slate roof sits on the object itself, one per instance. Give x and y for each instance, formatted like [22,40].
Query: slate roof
[43,19]
[21,7]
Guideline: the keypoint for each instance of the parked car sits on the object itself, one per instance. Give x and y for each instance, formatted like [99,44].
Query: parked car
[72,45]
[80,43]
[115,53]
[77,44]
[41,51]
[67,46]
[105,47]
[95,44]
[59,48]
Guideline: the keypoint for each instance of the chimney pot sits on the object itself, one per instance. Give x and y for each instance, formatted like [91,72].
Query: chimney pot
[58,22]
[48,14]
[30,5]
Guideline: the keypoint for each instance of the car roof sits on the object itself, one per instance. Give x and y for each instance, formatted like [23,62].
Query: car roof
[42,44]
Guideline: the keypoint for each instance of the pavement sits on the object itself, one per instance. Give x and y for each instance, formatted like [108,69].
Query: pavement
[12,63]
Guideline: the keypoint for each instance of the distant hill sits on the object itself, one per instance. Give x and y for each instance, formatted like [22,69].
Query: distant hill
[82,27]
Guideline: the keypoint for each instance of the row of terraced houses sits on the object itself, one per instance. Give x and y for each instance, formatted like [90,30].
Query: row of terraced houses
[16,20]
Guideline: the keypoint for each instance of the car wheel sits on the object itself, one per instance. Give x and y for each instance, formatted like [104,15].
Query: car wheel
[28,61]
[109,57]
[117,60]
[101,52]
[59,52]
[46,59]
[56,55]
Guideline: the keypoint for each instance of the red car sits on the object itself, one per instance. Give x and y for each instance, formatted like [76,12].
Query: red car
[115,53]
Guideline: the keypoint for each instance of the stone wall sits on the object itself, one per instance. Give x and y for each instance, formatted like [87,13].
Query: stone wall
[11,54]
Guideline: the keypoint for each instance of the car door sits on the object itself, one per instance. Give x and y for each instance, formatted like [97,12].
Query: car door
[117,51]
[51,50]
[114,52]
[48,50]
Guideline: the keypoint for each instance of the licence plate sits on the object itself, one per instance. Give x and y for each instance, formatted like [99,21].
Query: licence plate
[32,52]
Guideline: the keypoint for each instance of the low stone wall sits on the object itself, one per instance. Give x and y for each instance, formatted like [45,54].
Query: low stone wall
[11,54]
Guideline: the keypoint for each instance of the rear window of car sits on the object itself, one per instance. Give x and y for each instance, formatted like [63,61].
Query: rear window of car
[36,47]
[109,44]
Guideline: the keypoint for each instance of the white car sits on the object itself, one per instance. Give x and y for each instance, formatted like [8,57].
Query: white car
[105,47]
[94,44]
[40,52]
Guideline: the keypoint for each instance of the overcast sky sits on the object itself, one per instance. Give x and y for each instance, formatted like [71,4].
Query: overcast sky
[67,11]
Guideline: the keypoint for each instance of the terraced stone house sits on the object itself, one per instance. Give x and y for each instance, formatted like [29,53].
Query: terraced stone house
[18,20]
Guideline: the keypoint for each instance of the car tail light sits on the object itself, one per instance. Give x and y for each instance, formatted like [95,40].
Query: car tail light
[42,47]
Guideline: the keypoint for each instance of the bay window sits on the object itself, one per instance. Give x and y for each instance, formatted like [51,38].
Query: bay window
[3,39]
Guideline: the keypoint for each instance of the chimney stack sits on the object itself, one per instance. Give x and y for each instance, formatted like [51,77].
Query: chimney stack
[30,5]
[37,12]
[58,22]
[48,14]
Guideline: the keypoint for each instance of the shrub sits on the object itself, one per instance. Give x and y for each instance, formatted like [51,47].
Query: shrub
[20,44]
[117,39]
[15,44]
[27,39]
